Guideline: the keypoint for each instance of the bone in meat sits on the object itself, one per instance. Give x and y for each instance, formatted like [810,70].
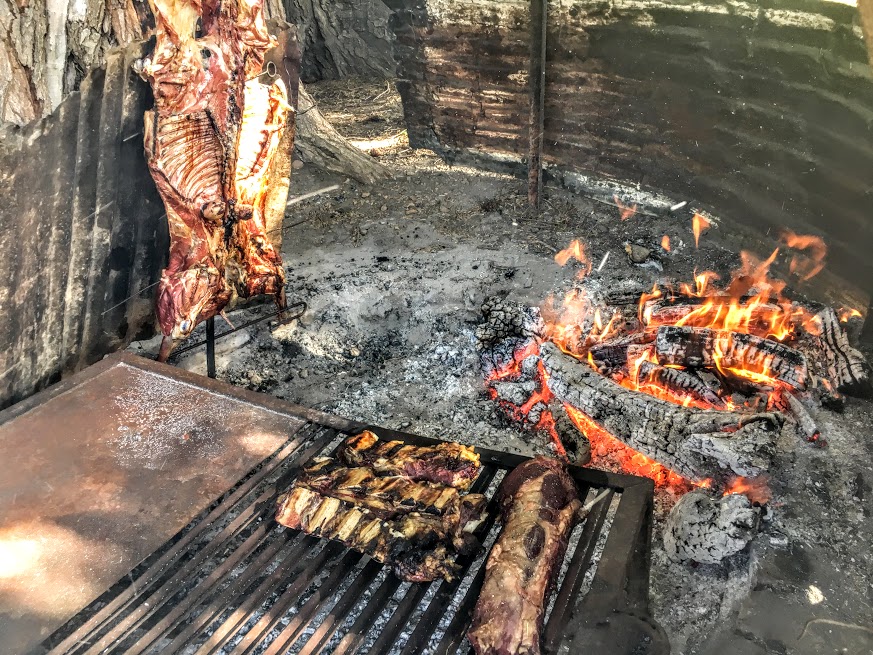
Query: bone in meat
[414,544]
[395,496]
[209,142]
[538,503]
[445,463]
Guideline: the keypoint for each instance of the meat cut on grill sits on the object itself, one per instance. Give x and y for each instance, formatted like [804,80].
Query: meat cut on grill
[392,497]
[539,504]
[210,141]
[418,527]
[416,545]
[446,463]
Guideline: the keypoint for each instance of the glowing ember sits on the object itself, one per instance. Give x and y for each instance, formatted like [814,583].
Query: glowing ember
[626,211]
[665,243]
[812,262]
[603,444]
[698,225]
[755,489]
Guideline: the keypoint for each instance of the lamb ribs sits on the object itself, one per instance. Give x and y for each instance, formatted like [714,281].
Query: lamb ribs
[210,141]
[401,519]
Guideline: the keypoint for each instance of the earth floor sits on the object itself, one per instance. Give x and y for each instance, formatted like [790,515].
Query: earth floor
[395,275]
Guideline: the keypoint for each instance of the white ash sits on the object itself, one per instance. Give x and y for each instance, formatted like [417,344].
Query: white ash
[705,530]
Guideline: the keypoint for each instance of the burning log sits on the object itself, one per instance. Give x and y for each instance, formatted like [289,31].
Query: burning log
[806,425]
[737,353]
[707,530]
[697,444]
[576,444]
[847,368]
[616,353]
[682,386]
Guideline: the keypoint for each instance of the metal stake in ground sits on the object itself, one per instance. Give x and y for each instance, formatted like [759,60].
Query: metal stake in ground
[210,347]
[537,77]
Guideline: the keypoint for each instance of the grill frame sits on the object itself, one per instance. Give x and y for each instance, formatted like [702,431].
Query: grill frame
[162,606]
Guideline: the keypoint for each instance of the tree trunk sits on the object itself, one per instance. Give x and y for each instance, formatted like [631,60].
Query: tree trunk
[342,38]
[321,145]
[47,46]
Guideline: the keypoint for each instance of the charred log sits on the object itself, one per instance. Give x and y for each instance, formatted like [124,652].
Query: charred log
[731,351]
[806,425]
[682,386]
[847,368]
[576,444]
[696,443]
[707,530]
[504,319]
[616,353]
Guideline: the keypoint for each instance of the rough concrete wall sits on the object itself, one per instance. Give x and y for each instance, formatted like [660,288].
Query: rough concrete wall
[761,111]
[82,231]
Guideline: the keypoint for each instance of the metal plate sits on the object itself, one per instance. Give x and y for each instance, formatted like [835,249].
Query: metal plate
[99,471]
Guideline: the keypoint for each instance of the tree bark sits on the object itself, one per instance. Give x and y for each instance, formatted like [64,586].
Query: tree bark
[47,46]
[341,38]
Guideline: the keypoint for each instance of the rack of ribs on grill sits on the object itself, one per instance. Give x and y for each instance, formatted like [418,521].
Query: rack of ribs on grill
[395,496]
[446,463]
[539,504]
[416,527]
[209,143]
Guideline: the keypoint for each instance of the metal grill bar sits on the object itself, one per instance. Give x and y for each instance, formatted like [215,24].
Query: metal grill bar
[235,582]
[86,632]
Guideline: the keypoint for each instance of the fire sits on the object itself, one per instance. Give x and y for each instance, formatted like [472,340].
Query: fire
[603,443]
[750,302]
[847,314]
[625,211]
[808,265]
[576,250]
[755,489]
[699,223]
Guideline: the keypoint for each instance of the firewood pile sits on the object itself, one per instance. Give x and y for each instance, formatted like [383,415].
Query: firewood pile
[691,385]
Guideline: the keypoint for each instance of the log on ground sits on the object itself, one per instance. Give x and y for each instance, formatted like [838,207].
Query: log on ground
[698,444]
[846,367]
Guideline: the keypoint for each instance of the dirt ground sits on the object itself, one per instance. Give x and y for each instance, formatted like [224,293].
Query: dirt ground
[394,276]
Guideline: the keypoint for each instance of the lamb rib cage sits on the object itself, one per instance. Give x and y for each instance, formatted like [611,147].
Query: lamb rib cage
[234,580]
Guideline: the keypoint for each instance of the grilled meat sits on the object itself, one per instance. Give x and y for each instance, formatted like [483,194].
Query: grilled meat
[209,143]
[413,544]
[446,463]
[538,503]
[395,496]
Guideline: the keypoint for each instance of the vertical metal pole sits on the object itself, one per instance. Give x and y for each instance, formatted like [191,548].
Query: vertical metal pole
[867,330]
[210,347]
[537,77]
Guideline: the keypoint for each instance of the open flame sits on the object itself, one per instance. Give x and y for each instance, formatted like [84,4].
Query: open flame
[699,224]
[625,211]
[811,262]
[751,302]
